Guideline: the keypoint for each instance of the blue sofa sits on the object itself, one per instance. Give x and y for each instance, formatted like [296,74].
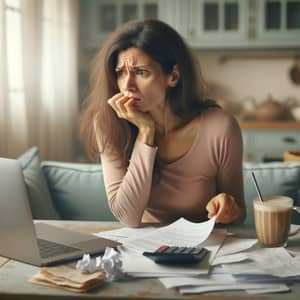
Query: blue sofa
[74,191]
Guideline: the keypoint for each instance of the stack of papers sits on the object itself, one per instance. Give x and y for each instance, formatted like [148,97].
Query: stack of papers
[68,278]
[3,260]
[233,263]
[180,233]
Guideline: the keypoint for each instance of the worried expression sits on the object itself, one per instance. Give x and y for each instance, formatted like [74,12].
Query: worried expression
[142,78]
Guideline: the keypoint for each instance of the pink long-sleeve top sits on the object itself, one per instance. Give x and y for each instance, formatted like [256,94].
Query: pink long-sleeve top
[213,164]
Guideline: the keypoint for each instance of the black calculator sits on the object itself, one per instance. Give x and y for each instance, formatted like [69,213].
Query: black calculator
[177,255]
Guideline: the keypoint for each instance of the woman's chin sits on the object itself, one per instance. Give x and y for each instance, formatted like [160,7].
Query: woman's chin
[140,108]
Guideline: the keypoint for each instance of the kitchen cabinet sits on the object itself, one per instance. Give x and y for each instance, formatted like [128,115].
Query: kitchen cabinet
[268,144]
[98,18]
[217,23]
[203,23]
[278,23]
[243,23]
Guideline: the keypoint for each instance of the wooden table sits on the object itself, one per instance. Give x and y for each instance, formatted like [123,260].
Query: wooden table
[14,277]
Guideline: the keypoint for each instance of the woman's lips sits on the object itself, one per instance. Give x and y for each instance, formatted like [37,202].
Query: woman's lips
[137,102]
[136,99]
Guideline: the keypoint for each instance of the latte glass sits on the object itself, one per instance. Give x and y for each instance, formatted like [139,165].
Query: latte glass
[272,219]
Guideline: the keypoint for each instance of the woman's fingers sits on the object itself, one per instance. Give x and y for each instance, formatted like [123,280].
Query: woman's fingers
[112,101]
[121,108]
[228,209]
[212,208]
[224,207]
[123,104]
[120,103]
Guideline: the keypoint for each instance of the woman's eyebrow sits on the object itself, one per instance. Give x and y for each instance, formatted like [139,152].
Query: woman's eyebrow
[140,66]
[120,67]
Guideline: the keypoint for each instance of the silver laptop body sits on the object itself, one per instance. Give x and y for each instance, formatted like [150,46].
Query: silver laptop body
[20,237]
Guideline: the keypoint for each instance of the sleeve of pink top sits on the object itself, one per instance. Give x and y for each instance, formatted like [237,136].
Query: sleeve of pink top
[128,189]
[230,174]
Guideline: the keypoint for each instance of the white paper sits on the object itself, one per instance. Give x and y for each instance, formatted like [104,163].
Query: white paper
[172,282]
[233,245]
[229,287]
[273,261]
[123,234]
[135,264]
[3,261]
[181,233]
[213,243]
[229,259]
[276,289]
[265,278]
[218,269]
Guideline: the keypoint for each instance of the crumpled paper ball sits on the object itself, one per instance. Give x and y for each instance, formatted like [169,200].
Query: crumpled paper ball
[110,263]
[88,265]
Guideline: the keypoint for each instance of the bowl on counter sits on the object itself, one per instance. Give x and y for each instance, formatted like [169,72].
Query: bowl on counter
[289,156]
[272,110]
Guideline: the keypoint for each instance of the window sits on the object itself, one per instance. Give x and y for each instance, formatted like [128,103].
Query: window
[14,48]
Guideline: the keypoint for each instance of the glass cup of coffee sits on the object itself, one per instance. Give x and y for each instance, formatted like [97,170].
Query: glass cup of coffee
[272,219]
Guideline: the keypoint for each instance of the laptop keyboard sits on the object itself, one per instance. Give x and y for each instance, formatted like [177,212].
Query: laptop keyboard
[49,249]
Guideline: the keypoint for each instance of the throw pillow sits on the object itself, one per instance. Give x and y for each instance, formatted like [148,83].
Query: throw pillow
[39,195]
[78,191]
[275,178]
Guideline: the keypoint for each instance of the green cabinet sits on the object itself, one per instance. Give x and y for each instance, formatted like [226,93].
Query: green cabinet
[268,145]
[203,23]
[278,23]
[214,24]
[241,23]
[99,18]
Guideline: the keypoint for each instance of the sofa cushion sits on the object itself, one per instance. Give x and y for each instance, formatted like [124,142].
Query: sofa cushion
[78,191]
[39,195]
[274,178]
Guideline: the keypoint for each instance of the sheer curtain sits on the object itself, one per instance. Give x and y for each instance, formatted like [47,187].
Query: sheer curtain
[38,77]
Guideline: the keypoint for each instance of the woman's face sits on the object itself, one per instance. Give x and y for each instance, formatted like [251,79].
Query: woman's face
[142,78]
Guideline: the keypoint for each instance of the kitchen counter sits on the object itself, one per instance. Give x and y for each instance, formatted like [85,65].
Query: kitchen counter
[282,125]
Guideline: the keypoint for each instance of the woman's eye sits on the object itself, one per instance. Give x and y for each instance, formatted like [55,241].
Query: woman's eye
[141,72]
[119,73]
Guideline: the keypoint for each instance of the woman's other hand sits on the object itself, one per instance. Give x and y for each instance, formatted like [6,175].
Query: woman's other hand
[224,207]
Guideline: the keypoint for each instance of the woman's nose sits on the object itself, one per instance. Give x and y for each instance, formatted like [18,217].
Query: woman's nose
[129,83]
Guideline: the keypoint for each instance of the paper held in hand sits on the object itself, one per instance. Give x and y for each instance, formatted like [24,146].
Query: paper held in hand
[182,233]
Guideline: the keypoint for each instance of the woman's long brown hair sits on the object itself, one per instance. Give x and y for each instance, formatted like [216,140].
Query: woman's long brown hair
[164,45]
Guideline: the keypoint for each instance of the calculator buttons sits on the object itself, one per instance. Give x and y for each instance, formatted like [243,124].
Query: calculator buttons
[162,249]
[196,251]
[187,250]
[177,255]
[170,250]
[180,249]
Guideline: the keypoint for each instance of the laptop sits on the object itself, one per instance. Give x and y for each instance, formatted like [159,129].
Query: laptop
[36,243]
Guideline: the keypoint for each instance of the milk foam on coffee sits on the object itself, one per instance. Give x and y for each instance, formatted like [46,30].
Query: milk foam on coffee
[276,203]
[273,219]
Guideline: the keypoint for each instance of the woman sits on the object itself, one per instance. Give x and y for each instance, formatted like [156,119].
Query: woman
[166,153]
